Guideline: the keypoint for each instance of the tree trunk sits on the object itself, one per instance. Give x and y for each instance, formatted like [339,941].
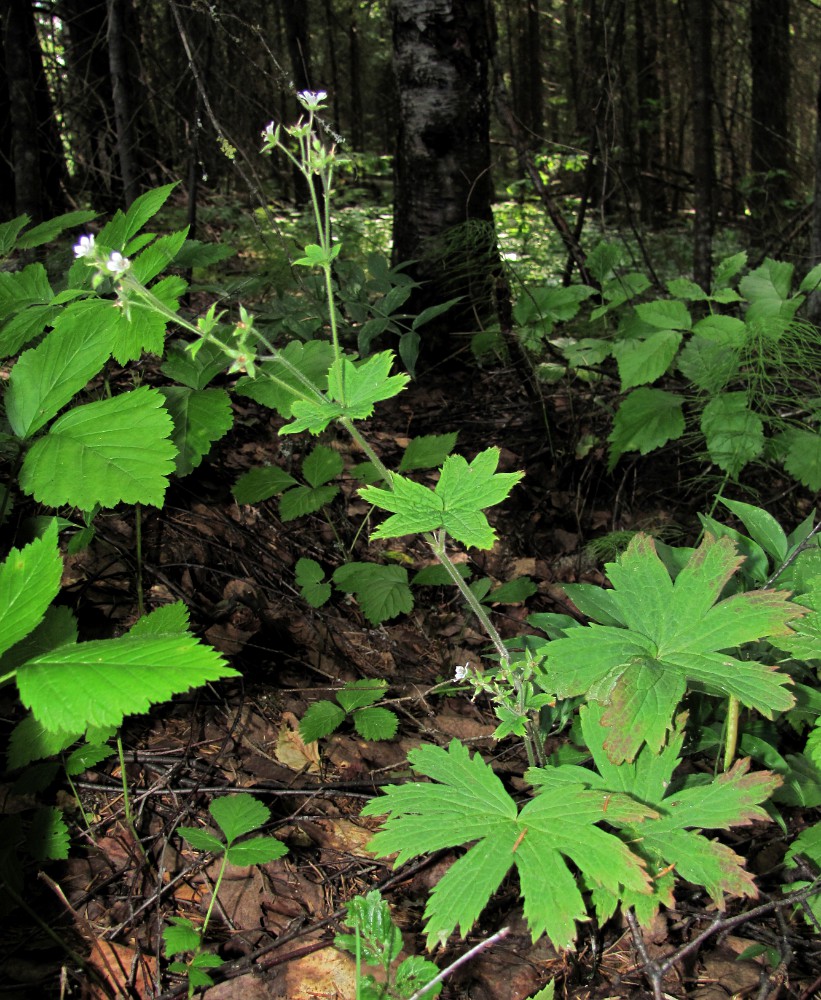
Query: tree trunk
[528,90]
[355,68]
[36,153]
[648,98]
[443,218]
[703,156]
[769,156]
[89,102]
[122,98]
[298,37]
[814,304]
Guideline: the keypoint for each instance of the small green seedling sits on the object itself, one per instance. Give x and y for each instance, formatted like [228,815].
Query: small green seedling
[377,941]
[356,699]
[235,815]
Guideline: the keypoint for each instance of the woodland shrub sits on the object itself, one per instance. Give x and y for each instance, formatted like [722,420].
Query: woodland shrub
[690,649]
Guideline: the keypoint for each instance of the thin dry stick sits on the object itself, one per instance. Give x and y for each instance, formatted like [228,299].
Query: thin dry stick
[468,955]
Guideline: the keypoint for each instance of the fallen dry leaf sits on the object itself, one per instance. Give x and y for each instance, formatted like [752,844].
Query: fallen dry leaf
[292,751]
[120,965]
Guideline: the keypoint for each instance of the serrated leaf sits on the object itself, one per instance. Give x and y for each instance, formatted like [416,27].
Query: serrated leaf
[201,840]
[86,756]
[455,504]
[47,838]
[803,458]
[361,693]
[141,210]
[382,591]
[645,360]
[414,973]
[279,387]
[734,433]
[674,633]
[201,417]
[256,851]
[427,452]
[665,314]
[646,420]
[513,591]
[673,834]
[728,268]
[322,465]
[684,288]
[353,391]
[158,256]
[261,484]
[30,741]
[376,723]
[193,370]
[180,936]
[303,500]
[467,802]
[310,580]
[45,378]
[170,619]
[239,814]
[321,719]
[709,365]
[102,681]
[21,289]
[29,581]
[9,231]
[108,452]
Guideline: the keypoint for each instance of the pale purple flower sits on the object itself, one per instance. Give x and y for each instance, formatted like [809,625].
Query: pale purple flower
[461,673]
[312,100]
[84,246]
[116,263]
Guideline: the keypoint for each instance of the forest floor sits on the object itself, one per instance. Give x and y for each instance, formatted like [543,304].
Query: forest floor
[234,568]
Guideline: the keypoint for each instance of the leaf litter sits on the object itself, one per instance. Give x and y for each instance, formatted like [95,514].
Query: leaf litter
[234,567]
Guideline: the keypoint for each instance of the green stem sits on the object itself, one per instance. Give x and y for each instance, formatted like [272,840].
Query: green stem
[436,540]
[731,732]
[356,434]
[214,894]
[129,818]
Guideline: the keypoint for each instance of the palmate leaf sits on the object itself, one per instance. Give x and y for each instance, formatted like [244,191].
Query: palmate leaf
[353,390]
[673,836]
[107,452]
[467,802]
[672,633]
[455,504]
[382,591]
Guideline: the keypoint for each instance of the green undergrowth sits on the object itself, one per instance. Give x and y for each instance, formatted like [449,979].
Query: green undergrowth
[710,651]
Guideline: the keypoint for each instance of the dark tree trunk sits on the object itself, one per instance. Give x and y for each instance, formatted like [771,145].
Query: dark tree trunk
[36,153]
[89,102]
[528,90]
[769,150]
[648,94]
[298,37]
[814,304]
[701,34]
[443,193]
[6,139]
[122,99]
[355,67]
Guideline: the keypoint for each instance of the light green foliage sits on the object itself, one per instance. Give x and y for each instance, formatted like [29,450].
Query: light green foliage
[357,701]
[466,802]
[112,451]
[201,417]
[456,503]
[68,685]
[377,941]
[670,842]
[427,452]
[663,634]
[646,420]
[750,369]
[353,390]
[382,591]
[279,387]
[235,816]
